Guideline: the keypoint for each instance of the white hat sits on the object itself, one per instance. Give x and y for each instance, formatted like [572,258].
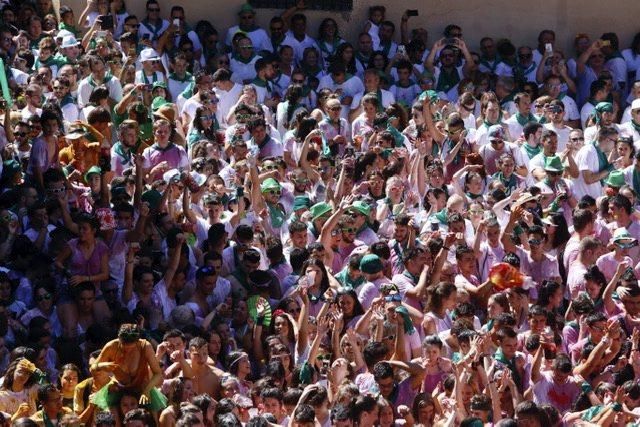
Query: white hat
[635,104]
[169,175]
[148,54]
[69,41]
[64,33]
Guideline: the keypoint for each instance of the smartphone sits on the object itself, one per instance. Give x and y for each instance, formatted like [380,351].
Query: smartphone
[101,34]
[435,225]
[402,50]
[412,12]
[106,22]
[548,47]
[349,152]
[148,87]
[176,22]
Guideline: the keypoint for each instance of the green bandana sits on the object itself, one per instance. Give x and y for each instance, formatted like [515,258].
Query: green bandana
[276,215]
[531,151]
[509,183]
[603,162]
[523,120]
[396,135]
[636,181]
[447,80]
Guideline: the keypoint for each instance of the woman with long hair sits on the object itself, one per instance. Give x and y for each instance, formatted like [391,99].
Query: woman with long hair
[178,390]
[203,126]
[69,377]
[329,39]
[346,52]
[288,110]
[19,390]
[442,300]
[311,63]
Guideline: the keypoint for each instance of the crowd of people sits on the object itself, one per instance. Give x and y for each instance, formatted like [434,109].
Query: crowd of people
[241,226]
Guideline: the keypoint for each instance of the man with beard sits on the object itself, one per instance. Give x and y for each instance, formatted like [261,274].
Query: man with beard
[604,116]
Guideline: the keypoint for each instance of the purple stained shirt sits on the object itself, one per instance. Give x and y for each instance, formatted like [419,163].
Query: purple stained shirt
[173,154]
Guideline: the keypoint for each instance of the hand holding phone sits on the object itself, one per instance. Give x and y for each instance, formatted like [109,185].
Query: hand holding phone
[412,12]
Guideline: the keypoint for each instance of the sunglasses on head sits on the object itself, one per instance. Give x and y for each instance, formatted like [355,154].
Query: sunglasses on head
[349,230]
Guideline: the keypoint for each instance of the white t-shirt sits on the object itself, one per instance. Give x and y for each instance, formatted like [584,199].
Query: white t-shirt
[563,135]
[587,160]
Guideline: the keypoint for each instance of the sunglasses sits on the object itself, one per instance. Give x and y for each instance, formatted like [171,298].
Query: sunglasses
[45,297]
[349,230]
[301,82]
[269,167]
[535,242]
[450,132]
[153,9]
[274,192]
[390,337]
[58,190]
[393,298]
[335,108]
[20,134]
[580,138]
[207,117]
[246,47]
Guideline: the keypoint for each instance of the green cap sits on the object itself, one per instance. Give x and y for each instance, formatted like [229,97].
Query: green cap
[10,168]
[371,264]
[301,202]
[246,8]
[92,169]
[615,179]
[553,164]
[159,83]
[361,207]
[269,184]
[320,209]
[152,197]
[158,102]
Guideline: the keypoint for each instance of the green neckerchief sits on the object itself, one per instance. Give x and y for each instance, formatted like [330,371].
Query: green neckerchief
[511,364]
[92,83]
[442,216]
[414,279]
[509,184]
[68,99]
[311,71]
[523,120]
[379,97]
[399,138]
[146,81]
[187,77]
[613,55]
[447,80]
[603,162]
[473,196]
[322,44]
[275,44]
[125,155]
[346,281]
[262,83]
[487,124]
[152,28]
[507,99]
[188,91]
[636,180]
[51,61]
[276,215]
[520,73]
[364,60]
[386,47]
[531,151]
[71,28]
[47,421]
[492,67]
[241,59]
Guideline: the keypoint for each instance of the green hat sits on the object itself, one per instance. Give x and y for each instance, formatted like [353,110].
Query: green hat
[158,102]
[602,107]
[553,164]
[159,83]
[431,94]
[624,239]
[152,197]
[361,207]
[269,184]
[320,209]
[615,179]
[246,8]
[92,169]
[301,202]
[371,264]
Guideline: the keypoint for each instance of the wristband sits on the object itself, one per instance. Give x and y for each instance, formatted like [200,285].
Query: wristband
[586,387]
[617,407]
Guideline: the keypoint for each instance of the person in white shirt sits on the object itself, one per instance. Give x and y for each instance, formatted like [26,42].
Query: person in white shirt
[228,94]
[337,81]
[553,87]
[243,63]
[98,77]
[153,26]
[150,72]
[558,124]
[180,79]
[594,164]
[632,127]
[521,117]
[603,116]
[371,85]
[258,36]
[298,37]
[33,96]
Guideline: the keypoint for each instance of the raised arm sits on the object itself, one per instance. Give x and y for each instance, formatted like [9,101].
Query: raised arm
[505,237]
